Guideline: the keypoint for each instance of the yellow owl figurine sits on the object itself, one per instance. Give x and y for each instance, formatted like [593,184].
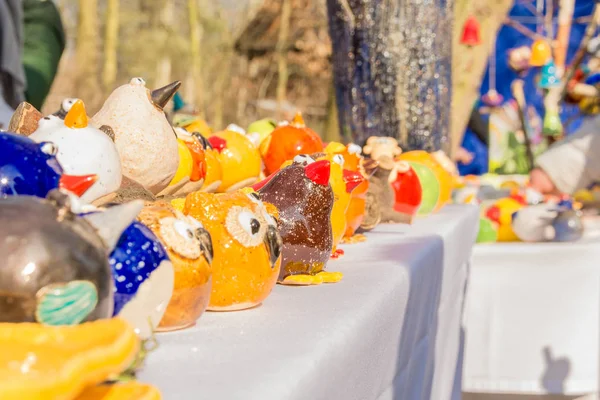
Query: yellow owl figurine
[190,250]
[247,246]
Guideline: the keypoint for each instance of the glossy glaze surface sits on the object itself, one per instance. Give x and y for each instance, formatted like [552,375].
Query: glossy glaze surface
[247,247]
[27,167]
[189,247]
[143,278]
[288,141]
[56,268]
[240,161]
[304,198]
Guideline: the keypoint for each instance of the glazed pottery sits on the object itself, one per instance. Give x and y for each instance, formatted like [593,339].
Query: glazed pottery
[547,222]
[353,161]
[59,362]
[442,184]
[247,247]
[239,159]
[28,168]
[143,278]
[195,144]
[82,150]
[382,147]
[190,249]
[302,194]
[288,141]
[260,130]
[56,267]
[501,213]
[144,138]
[487,231]
[407,189]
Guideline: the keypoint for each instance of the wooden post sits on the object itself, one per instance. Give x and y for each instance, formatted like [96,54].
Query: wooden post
[466,84]
[282,49]
[87,79]
[111,36]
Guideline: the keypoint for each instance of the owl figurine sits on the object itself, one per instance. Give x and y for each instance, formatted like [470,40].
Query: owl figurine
[247,246]
[190,249]
[143,279]
[304,197]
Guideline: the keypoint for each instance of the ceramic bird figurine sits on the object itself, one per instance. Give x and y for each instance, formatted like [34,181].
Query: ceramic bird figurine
[214,171]
[144,138]
[302,194]
[355,214]
[247,247]
[288,141]
[143,279]
[239,159]
[56,269]
[190,249]
[501,214]
[24,120]
[28,168]
[407,189]
[83,150]
[192,153]
[437,182]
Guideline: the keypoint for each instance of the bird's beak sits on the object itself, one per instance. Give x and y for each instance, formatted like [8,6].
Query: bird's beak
[162,96]
[274,244]
[206,246]
[77,184]
[352,180]
[318,172]
[76,117]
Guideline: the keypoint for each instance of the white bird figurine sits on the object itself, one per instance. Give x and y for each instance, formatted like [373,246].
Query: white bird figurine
[144,137]
[82,149]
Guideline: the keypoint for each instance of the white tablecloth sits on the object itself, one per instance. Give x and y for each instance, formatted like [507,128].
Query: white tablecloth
[389,330]
[532,318]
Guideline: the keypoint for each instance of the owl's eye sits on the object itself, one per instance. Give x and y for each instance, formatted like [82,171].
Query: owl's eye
[49,148]
[245,226]
[179,235]
[303,159]
[339,159]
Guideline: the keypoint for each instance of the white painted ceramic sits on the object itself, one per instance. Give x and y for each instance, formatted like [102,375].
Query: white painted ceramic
[83,151]
[143,136]
[145,311]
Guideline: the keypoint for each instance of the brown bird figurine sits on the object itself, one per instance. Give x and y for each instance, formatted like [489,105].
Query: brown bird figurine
[302,194]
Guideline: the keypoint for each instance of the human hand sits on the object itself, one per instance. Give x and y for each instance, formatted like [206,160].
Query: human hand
[463,156]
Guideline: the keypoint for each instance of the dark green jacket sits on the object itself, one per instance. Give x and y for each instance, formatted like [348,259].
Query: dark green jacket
[44,44]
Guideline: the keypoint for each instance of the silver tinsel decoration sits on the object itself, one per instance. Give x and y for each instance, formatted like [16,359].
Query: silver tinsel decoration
[392,66]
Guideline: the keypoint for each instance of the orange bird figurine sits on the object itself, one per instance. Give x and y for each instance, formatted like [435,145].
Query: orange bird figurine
[190,249]
[288,141]
[247,247]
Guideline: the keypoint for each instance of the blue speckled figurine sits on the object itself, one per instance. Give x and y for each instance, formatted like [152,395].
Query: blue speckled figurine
[143,277]
[30,168]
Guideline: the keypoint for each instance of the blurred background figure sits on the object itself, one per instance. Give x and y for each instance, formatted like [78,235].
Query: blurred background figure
[12,74]
[32,40]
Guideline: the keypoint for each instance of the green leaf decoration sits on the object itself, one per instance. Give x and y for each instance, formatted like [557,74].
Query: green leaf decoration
[66,303]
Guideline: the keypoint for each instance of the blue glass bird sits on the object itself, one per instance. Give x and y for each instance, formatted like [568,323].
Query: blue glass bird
[30,168]
[143,277]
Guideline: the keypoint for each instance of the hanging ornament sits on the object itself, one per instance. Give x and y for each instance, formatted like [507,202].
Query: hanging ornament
[549,78]
[492,98]
[541,53]
[470,34]
[552,124]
